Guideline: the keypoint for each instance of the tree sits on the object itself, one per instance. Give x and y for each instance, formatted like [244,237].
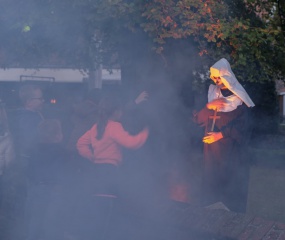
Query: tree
[224,28]
[83,33]
[281,12]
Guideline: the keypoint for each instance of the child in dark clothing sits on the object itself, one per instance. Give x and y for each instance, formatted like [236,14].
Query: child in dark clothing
[47,178]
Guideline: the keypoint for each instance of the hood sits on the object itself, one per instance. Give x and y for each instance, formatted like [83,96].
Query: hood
[223,70]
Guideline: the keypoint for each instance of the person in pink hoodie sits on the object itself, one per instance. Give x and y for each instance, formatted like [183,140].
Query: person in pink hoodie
[107,137]
[103,145]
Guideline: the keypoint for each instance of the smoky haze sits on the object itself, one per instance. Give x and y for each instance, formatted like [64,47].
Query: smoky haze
[149,175]
[167,168]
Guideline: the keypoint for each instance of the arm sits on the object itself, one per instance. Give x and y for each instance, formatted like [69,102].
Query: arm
[142,97]
[239,128]
[84,145]
[212,137]
[201,117]
[216,104]
[123,138]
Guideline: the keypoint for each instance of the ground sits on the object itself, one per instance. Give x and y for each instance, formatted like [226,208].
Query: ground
[267,179]
[267,193]
[266,196]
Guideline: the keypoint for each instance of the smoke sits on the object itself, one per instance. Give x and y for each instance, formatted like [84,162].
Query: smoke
[150,176]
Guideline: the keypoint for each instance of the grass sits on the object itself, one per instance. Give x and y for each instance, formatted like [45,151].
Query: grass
[266,196]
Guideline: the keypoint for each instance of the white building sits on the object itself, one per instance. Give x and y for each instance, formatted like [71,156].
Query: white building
[61,75]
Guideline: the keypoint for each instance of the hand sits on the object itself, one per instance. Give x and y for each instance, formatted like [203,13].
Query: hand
[217,104]
[142,97]
[212,137]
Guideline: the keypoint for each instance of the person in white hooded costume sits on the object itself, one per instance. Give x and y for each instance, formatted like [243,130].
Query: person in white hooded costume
[226,119]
